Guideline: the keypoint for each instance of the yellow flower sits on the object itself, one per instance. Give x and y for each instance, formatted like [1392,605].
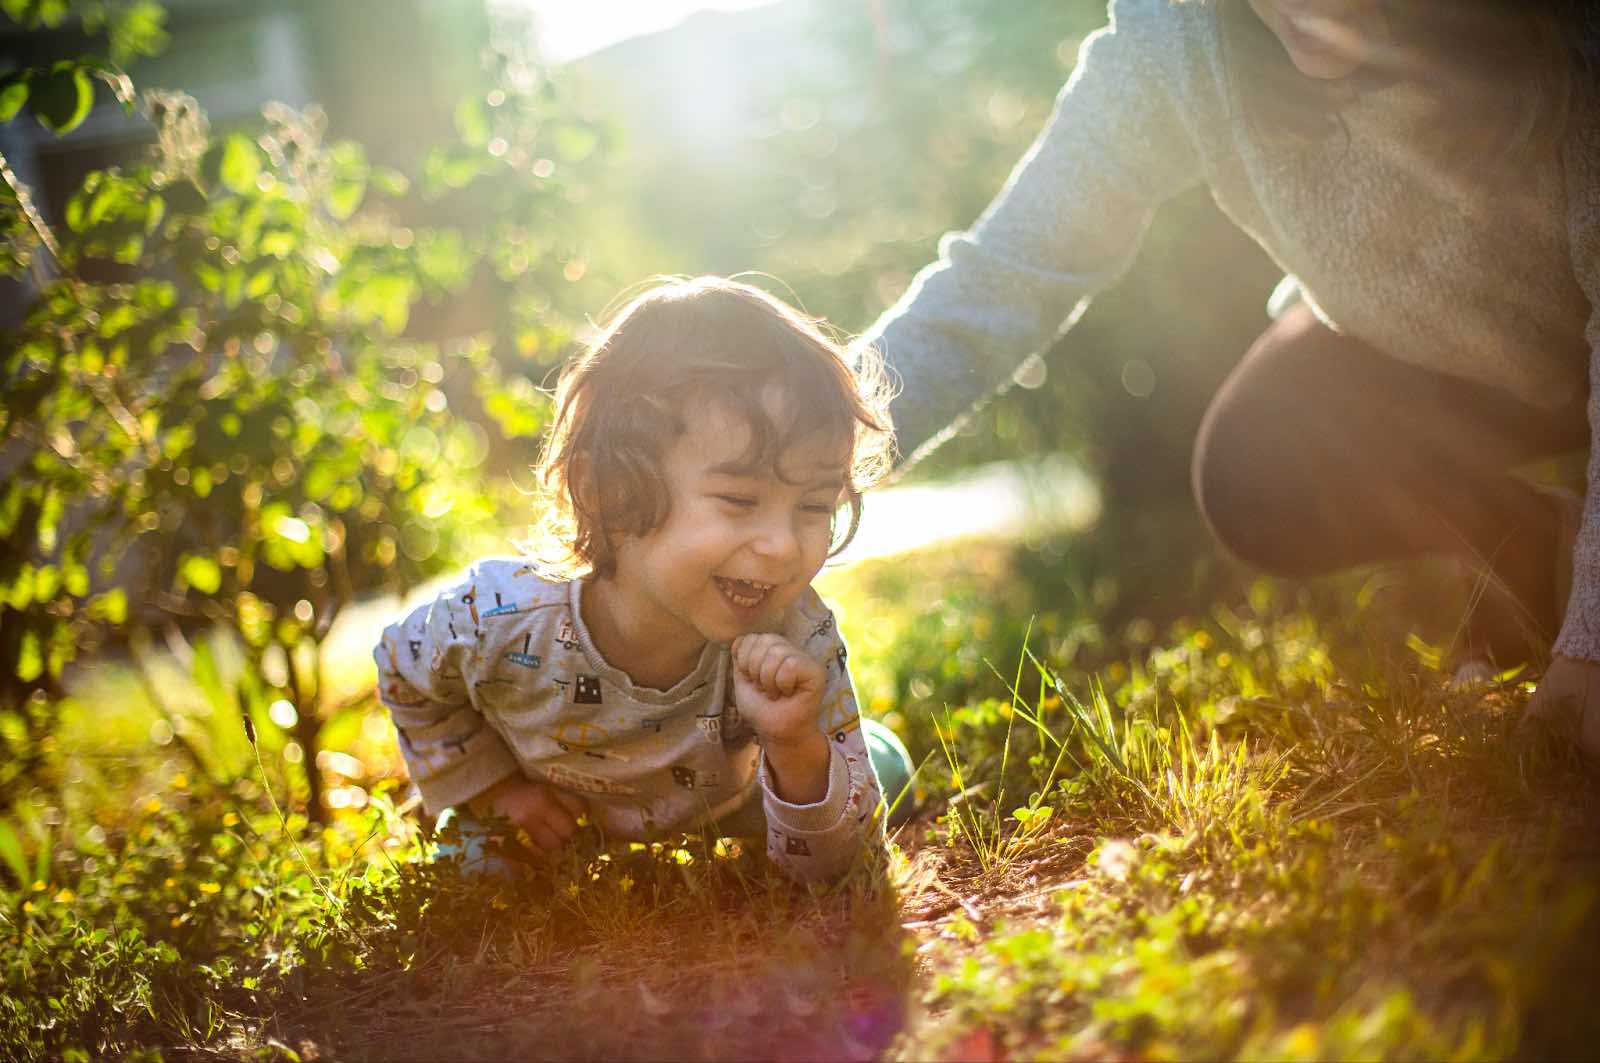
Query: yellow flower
[27,906]
[210,887]
[180,781]
[64,897]
[229,819]
[153,805]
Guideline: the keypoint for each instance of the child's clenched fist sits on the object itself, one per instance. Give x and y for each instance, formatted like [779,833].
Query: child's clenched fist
[778,689]
[777,686]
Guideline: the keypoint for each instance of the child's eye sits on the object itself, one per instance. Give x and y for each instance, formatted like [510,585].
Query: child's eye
[739,501]
[817,509]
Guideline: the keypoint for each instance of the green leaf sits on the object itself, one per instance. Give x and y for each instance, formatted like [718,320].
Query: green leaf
[111,606]
[63,98]
[46,581]
[13,94]
[390,182]
[241,164]
[138,29]
[12,856]
[20,594]
[75,578]
[344,197]
[208,677]
[51,508]
[16,493]
[200,572]
[574,143]
[260,282]
[30,657]
[472,123]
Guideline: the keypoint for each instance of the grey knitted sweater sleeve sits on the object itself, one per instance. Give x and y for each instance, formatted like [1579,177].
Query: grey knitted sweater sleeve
[1580,633]
[1065,226]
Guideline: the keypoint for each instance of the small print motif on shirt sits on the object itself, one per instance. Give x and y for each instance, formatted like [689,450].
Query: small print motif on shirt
[522,658]
[583,782]
[502,608]
[690,779]
[567,638]
[586,690]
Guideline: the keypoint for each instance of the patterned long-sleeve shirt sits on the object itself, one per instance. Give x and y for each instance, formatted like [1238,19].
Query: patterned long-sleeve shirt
[498,676]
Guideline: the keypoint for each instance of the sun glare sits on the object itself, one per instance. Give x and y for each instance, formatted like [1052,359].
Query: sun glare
[568,30]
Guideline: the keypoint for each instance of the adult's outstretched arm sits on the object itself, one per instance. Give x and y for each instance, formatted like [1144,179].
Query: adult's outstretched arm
[1066,225]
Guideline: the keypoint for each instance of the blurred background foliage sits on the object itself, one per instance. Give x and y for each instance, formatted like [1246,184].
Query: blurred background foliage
[265,360]
[280,281]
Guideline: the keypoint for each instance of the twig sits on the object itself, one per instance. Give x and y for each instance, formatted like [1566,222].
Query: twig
[29,211]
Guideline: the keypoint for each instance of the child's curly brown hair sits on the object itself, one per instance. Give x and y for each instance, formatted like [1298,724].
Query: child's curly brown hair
[680,347]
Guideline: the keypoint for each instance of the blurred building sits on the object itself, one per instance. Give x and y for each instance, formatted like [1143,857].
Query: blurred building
[387,72]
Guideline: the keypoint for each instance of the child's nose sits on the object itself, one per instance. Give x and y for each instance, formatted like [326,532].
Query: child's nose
[777,540]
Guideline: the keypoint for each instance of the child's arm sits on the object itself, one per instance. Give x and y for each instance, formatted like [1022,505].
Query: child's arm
[426,665]
[821,798]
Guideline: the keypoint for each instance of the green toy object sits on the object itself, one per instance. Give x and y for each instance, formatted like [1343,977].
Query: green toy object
[892,763]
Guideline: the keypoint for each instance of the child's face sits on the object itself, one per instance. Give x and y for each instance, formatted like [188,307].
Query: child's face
[1326,39]
[738,545]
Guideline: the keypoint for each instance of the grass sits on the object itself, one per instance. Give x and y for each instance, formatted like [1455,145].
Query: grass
[1265,830]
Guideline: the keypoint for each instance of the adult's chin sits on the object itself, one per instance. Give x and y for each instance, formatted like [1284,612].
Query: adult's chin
[1325,66]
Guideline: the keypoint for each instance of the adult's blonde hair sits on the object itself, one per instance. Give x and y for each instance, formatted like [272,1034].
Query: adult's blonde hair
[676,350]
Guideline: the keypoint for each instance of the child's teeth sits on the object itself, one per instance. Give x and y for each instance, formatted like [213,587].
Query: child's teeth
[746,592]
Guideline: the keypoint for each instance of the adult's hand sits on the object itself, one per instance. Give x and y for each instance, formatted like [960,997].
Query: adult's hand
[1567,701]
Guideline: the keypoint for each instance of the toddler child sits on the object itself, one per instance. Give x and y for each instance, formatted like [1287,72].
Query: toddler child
[672,669]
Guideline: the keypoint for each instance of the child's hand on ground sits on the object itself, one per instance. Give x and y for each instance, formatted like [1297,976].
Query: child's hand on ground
[547,814]
[778,689]
[1567,701]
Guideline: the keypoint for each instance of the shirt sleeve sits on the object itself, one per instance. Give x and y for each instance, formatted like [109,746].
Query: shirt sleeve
[1066,224]
[1580,632]
[426,662]
[822,841]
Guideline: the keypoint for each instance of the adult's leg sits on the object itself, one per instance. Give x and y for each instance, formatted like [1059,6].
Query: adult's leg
[1320,452]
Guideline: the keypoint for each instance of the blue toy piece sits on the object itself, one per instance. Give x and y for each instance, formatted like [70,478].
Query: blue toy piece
[473,844]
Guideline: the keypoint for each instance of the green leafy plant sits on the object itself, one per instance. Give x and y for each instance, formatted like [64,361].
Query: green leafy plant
[232,402]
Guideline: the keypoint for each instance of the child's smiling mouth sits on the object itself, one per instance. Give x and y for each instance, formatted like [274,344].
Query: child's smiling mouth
[745,593]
